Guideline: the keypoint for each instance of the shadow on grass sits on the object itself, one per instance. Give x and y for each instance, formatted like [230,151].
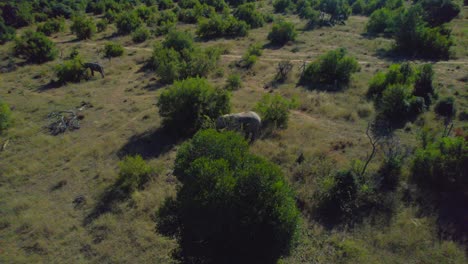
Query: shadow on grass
[150,144]
[49,86]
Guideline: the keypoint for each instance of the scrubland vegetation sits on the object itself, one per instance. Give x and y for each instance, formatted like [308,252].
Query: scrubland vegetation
[361,157]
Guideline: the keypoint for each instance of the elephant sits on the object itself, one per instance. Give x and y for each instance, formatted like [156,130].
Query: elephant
[248,122]
[94,66]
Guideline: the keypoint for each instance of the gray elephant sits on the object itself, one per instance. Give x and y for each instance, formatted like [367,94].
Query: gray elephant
[248,122]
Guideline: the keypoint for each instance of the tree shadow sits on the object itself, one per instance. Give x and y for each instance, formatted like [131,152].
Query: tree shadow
[49,86]
[150,144]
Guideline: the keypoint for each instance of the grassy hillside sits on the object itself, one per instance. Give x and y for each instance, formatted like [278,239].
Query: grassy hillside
[42,175]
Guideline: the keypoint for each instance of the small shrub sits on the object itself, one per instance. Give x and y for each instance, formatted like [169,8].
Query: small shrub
[274,110]
[395,103]
[331,71]
[52,26]
[5,117]
[188,103]
[35,47]
[282,32]
[101,25]
[446,107]
[133,174]
[113,49]
[234,82]
[247,13]
[83,27]
[127,22]
[141,35]
[71,71]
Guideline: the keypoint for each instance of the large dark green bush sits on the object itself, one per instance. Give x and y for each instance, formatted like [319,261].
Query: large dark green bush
[396,102]
[52,26]
[397,74]
[338,10]
[83,27]
[247,13]
[133,174]
[382,21]
[282,32]
[71,71]
[5,117]
[238,204]
[101,25]
[7,33]
[35,47]
[332,71]
[179,40]
[141,35]
[127,22]
[446,107]
[188,103]
[18,14]
[423,85]
[274,110]
[438,12]
[221,26]
[442,166]
[281,6]
[113,49]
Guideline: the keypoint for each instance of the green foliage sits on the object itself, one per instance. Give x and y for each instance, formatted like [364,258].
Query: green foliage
[358,7]
[35,47]
[133,174]
[233,82]
[71,71]
[247,13]
[113,49]
[282,6]
[101,25]
[274,110]
[332,71]
[7,33]
[446,107]
[188,103]
[83,27]
[423,85]
[338,10]
[52,26]
[282,32]
[395,103]
[179,40]
[438,12]
[382,21]
[141,35]
[17,14]
[250,58]
[442,166]
[238,204]
[5,117]
[127,22]
[221,26]
[397,74]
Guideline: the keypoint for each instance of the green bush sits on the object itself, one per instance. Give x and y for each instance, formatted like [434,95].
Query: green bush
[17,14]
[274,110]
[133,174]
[83,27]
[113,49]
[52,26]
[101,25]
[247,13]
[233,82]
[423,85]
[382,21]
[338,10]
[282,32]
[127,22]
[141,35]
[179,40]
[250,58]
[240,205]
[438,12]
[221,26]
[5,117]
[282,6]
[188,103]
[7,33]
[396,102]
[35,47]
[71,71]
[446,107]
[441,166]
[358,7]
[332,71]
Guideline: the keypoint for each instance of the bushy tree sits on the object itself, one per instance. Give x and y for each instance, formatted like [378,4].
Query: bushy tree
[71,71]
[274,110]
[52,26]
[395,103]
[188,103]
[141,35]
[7,33]
[113,49]
[247,13]
[282,32]
[331,71]
[282,6]
[18,14]
[446,107]
[338,10]
[179,40]
[438,12]
[83,27]
[397,74]
[221,26]
[127,22]
[382,21]
[5,117]
[35,47]
[358,7]
[238,204]
[134,173]
[423,85]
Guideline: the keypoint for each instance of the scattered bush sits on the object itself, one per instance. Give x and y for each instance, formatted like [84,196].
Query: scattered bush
[113,49]
[234,82]
[5,117]
[141,35]
[7,33]
[396,102]
[338,10]
[101,25]
[179,40]
[17,14]
[332,71]
[186,105]
[221,26]
[382,21]
[35,47]
[127,22]
[83,27]
[71,71]
[240,205]
[282,6]
[423,86]
[358,7]
[274,110]
[250,58]
[446,107]
[133,174]
[247,13]
[282,32]
[52,26]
